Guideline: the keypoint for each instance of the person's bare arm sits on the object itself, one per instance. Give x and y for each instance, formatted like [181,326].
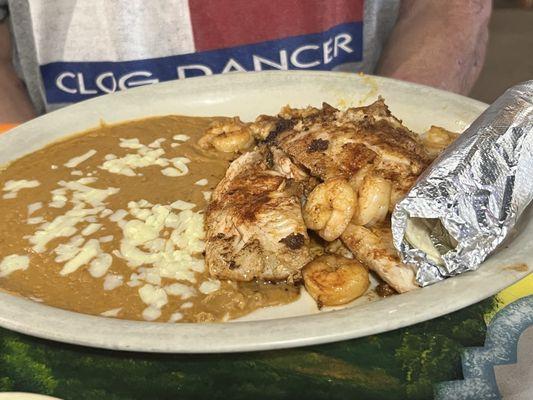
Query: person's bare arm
[15,104]
[438,43]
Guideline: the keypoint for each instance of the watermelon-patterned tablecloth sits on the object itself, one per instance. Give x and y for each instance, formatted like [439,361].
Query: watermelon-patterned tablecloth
[451,357]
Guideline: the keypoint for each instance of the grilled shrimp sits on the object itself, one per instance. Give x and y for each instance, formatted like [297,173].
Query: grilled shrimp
[437,139]
[373,200]
[263,125]
[288,112]
[329,208]
[227,136]
[333,280]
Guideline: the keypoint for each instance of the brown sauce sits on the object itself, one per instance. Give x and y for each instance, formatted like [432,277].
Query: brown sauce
[80,291]
[385,290]
[520,267]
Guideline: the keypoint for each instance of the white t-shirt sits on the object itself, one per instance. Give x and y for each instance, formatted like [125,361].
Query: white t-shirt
[71,50]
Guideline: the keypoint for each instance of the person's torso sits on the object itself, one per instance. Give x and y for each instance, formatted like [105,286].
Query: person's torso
[68,51]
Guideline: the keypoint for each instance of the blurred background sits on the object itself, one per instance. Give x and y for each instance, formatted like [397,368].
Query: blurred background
[510,53]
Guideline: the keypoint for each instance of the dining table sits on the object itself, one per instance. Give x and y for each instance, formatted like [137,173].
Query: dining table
[483,351]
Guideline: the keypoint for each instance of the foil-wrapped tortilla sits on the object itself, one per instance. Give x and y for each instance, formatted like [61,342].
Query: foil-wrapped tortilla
[466,203]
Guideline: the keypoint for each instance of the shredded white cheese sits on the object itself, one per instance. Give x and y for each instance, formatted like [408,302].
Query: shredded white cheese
[106,239]
[34,207]
[61,226]
[201,182]
[174,317]
[87,203]
[181,290]
[137,232]
[89,250]
[151,313]
[156,143]
[153,296]
[12,263]
[140,203]
[111,313]
[100,264]
[209,286]
[130,143]
[59,198]
[144,156]
[91,228]
[86,194]
[171,172]
[127,165]
[181,164]
[134,283]
[74,162]
[112,281]
[67,251]
[118,215]
[106,213]
[182,205]
[181,138]
[162,243]
[140,213]
[12,187]
[152,276]
[207,195]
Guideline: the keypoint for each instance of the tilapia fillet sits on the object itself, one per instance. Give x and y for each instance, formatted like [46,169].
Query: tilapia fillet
[255,228]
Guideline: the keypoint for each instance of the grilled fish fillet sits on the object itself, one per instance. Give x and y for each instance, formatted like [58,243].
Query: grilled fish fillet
[255,228]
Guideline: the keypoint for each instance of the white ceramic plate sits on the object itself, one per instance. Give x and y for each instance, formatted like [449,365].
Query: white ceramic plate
[24,396]
[297,324]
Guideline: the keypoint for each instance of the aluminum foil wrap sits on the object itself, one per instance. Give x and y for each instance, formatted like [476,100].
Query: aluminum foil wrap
[465,204]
